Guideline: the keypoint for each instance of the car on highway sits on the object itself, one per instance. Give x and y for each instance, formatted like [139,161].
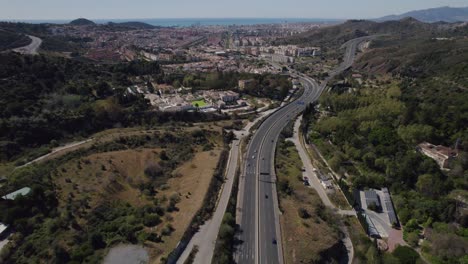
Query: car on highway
[274,241]
[253,157]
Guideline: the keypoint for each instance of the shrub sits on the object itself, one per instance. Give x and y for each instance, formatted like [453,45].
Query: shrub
[153,171]
[406,255]
[151,220]
[303,213]
[167,230]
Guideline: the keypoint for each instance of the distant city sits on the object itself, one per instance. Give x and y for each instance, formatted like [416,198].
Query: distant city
[185,22]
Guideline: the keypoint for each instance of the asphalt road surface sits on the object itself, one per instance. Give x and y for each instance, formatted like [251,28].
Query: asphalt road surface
[260,236]
[31,48]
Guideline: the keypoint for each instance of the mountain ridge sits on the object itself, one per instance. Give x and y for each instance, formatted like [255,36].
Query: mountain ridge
[431,15]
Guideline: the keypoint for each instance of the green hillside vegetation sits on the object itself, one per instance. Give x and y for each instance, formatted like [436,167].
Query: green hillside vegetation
[10,40]
[411,91]
[82,22]
[267,85]
[65,44]
[56,98]
[132,24]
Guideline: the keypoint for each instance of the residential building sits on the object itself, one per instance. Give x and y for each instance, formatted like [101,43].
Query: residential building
[244,83]
[229,96]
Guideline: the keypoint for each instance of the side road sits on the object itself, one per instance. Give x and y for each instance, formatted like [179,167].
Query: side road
[56,150]
[315,183]
[205,238]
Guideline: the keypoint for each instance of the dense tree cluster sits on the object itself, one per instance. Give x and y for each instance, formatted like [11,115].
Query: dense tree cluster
[371,131]
[45,98]
[272,86]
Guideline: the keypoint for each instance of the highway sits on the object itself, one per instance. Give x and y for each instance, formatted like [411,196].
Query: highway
[260,235]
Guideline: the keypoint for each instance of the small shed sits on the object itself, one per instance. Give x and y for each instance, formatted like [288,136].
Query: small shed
[12,196]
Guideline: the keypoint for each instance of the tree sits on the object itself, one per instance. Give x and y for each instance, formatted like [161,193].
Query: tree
[413,239]
[303,213]
[153,171]
[150,86]
[416,133]
[372,255]
[390,259]
[151,220]
[428,185]
[97,241]
[406,255]
[335,162]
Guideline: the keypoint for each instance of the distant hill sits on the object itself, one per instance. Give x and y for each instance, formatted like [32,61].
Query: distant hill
[339,34]
[82,22]
[445,14]
[134,24]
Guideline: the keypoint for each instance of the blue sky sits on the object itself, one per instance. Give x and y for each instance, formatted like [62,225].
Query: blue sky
[93,9]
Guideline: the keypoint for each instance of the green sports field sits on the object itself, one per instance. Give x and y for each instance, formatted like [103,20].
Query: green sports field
[201,103]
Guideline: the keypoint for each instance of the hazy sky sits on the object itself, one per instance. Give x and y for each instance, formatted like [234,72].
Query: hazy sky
[70,9]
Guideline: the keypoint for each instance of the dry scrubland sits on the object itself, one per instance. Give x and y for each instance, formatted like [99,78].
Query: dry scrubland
[118,175]
[125,186]
[305,223]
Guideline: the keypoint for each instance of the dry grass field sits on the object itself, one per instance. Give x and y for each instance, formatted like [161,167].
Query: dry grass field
[118,176]
[305,234]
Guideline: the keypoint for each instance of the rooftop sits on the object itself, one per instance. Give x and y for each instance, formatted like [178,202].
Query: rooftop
[12,196]
[3,227]
[439,150]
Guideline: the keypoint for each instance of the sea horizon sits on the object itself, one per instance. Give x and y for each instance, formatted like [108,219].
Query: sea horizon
[184,22]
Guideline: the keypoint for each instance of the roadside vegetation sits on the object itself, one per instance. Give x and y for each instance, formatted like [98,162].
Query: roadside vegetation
[309,230]
[226,240]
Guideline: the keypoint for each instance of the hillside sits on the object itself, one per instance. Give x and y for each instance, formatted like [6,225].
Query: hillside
[408,27]
[131,186]
[11,40]
[82,22]
[445,14]
[399,93]
[133,24]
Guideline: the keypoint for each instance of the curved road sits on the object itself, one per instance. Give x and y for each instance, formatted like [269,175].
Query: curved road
[260,234]
[31,48]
